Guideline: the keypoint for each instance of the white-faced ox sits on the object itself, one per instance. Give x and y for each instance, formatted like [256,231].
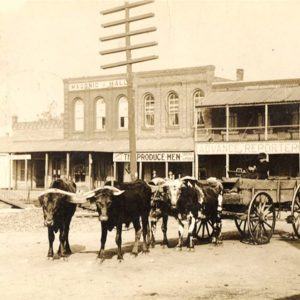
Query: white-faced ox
[184,205]
[117,207]
[186,199]
[58,208]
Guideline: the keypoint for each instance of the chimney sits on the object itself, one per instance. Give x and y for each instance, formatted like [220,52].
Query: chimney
[239,74]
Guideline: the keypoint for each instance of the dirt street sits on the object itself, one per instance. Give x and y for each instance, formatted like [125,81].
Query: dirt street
[234,270]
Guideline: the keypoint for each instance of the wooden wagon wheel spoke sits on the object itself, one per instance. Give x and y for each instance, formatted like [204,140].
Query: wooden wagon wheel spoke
[266,223]
[295,212]
[261,218]
[204,229]
[242,227]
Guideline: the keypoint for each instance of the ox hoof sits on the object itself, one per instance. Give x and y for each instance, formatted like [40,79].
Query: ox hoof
[179,248]
[56,256]
[101,256]
[192,249]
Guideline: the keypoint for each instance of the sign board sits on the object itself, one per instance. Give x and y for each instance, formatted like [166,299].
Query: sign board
[269,147]
[21,156]
[156,157]
[95,85]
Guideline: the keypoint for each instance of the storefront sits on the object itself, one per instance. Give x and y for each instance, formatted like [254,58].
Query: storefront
[179,163]
[219,159]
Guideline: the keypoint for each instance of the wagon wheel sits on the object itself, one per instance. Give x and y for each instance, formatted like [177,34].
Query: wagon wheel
[261,218]
[296,212]
[204,229]
[242,225]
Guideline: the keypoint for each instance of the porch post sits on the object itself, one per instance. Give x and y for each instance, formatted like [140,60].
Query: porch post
[227,165]
[140,170]
[90,170]
[115,170]
[68,164]
[26,175]
[299,136]
[10,171]
[167,169]
[46,170]
[266,122]
[227,123]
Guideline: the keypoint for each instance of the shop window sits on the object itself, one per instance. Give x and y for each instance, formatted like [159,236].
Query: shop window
[79,173]
[79,115]
[123,113]
[173,109]
[100,114]
[149,110]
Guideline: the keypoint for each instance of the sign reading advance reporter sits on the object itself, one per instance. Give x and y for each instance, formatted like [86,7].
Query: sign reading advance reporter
[156,156]
[95,85]
[249,148]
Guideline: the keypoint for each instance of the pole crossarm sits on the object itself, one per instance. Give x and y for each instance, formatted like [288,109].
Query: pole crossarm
[126,34]
[123,7]
[128,20]
[129,62]
[133,47]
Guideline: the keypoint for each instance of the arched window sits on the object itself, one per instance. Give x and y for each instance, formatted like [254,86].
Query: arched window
[79,115]
[123,113]
[198,96]
[173,109]
[149,110]
[100,114]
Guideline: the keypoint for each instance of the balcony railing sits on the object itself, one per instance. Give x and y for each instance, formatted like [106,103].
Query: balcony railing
[256,133]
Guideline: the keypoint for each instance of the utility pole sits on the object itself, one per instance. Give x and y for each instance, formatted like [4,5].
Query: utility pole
[128,63]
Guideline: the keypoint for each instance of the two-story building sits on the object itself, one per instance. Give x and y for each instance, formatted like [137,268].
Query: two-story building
[239,119]
[91,143]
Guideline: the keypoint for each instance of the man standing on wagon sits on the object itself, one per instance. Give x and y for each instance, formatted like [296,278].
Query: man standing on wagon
[261,167]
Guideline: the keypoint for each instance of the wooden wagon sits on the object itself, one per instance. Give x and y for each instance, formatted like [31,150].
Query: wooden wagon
[254,205]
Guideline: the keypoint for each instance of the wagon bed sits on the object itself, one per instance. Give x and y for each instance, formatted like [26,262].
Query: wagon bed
[254,205]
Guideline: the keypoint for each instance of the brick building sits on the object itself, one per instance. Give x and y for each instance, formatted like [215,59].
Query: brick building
[91,143]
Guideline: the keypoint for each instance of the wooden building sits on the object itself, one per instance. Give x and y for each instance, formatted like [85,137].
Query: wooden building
[239,119]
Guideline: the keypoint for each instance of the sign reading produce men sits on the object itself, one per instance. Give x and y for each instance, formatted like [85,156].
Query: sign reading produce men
[155,156]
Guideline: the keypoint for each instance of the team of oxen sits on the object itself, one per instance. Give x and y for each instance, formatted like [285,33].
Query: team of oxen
[139,203]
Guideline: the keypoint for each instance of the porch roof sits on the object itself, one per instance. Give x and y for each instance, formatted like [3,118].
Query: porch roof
[251,96]
[163,144]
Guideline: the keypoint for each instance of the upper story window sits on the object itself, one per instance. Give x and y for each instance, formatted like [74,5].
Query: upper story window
[79,115]
[233,120]
[100,114]
[173,109]
[149,110]
[198,95]
[123,113]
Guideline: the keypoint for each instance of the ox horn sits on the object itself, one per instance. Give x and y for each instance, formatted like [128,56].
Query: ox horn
[116,191]
[73,197]
[154,188]
[189,178]
[57,191]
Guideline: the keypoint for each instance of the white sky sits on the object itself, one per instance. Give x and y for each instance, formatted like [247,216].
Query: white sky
[44,41]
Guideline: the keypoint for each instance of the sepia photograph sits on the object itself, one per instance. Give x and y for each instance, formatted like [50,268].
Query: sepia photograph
[149,149]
